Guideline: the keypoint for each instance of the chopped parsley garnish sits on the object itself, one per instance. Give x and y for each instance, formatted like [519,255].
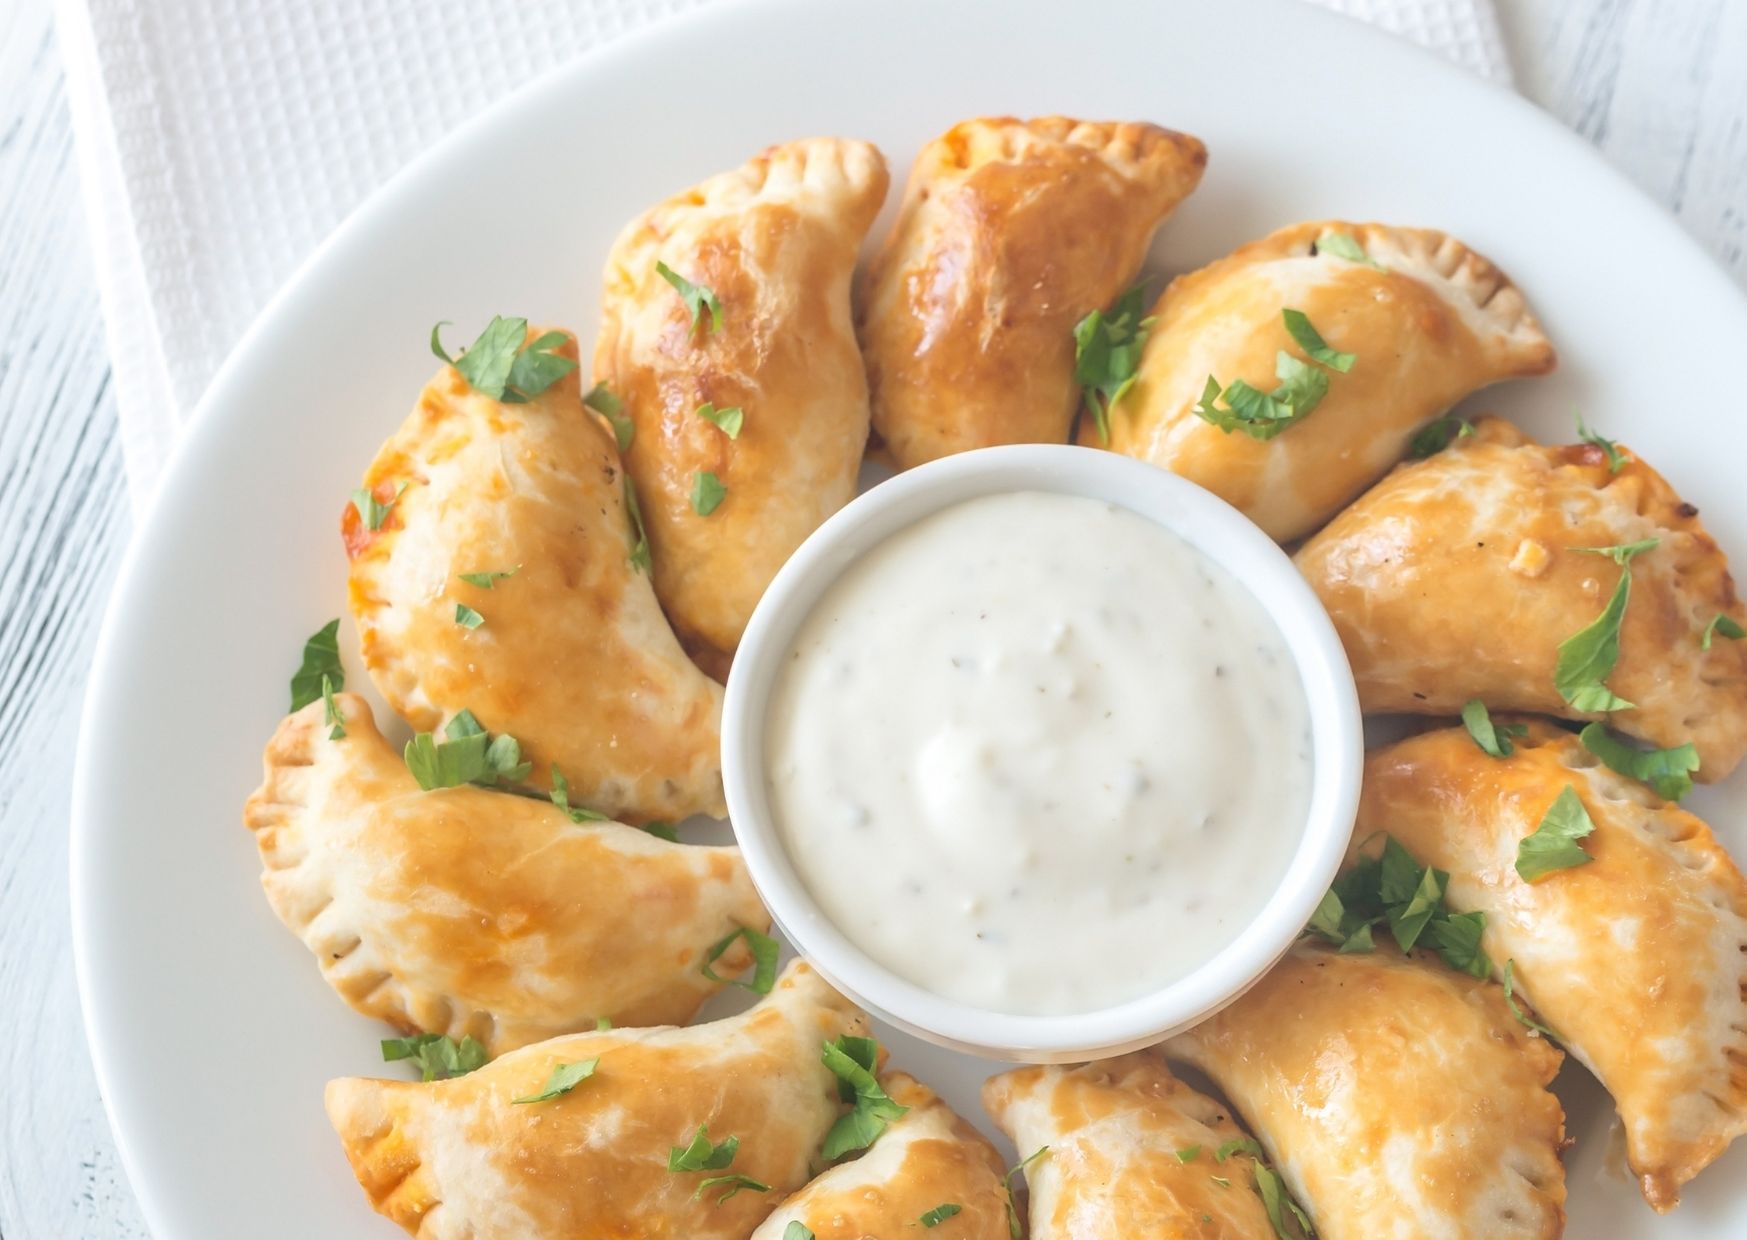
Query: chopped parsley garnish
[735,1182]
[1616,456]
[1239,1145]
[1220,1180]
[639,533]
[1438,434]
[470,755]
[1343,246]
[1107,347]
[853,1062]
[728,421]
[1394,889]
[702,1154]
[940,1213]
[437,1055]
[1457,939]
[764,952]
[798,1231]
[707,492]
[1553,844]
[561,798]
[1721,623]
[1668,771]
[1013,1227]
[321,662]
[1189,1153]
[564,1078]
[600,398]
[663,831]
[1278,1203]
[486,580]
[466,617]
[1299,327]
[372,511]
[602,1023]
[504,364]
[330,713]
[1259,414]
[1588,656]
[1510,999]
[1495,739]
[697,298]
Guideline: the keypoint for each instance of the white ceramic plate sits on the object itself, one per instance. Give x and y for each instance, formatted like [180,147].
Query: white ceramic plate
[212,1032]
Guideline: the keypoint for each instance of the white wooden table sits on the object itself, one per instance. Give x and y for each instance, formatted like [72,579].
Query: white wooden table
[1659,85]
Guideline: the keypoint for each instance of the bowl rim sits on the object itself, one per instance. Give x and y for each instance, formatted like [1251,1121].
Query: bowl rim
[1206,522]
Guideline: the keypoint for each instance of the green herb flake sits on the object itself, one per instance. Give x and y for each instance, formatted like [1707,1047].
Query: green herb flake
[1299,327]
[372,511]
[853,1062]
[1617,457]
[940,1213]
[1510,1000]
[437,1055]
[321,663]
[1721,623]
[798,1231]
[1107,348]
[1239,1145]
[561,798]
[702,1154]
[1668,771]
[1395,888]
[504,364]
[469,755]
[1278,1203]
[600,398]
[602,1024]
[1014,1229]
[1343,246]
[735,1182]
[331,715]
[1220,1180]
[563,1078]
[1588,656]
[1494,739]
[1438,434]
[487,580]
[1553,844]
[1408,921]
[1263,415]
[663,831]
[707,492]
[639,556]
[1457,940]
[1189,1153]
[466,617]
[764,953]
[728,421]
[697,298]
[1621,553]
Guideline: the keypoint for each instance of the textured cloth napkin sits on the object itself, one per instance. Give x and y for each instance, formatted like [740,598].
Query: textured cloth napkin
[221,140]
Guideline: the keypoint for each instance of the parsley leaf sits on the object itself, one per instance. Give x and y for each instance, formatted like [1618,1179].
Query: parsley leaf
[798,1231]
[940,1213]
[853,1060]
[735,1181]
[504,364]
[1189,1153]
[1493,739]
[1438,434]
[321,662]
[1334,922]
[470,755]
[466,617]
[1721,623]
[1278,1202]
[486,580]
[707,492]
[764,953]
[1510,1000]
[1298,325]
[437,1055]
[640,534]
[561,798]
[1408,921]
[1263,415]
[1553,844]
[1665,770]
[1410,897]
[1457,939]
[1343,246]
[372,511]
[330,713]
[663,831]
[1588,656]
[696,297]
[1220,1180]
[1107,347]
[1013,1228]
[702,1154]
[1239,1145]
[536,368]
[564,1078]
[728,421]
[600,398]
[1616,456]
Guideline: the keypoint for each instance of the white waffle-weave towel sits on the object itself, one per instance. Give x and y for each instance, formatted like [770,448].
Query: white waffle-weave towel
[221,140]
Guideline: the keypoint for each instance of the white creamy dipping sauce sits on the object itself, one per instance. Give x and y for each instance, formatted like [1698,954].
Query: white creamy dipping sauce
[1037,754]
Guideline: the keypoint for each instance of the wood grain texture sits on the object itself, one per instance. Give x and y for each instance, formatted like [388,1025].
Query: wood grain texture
[1659,85]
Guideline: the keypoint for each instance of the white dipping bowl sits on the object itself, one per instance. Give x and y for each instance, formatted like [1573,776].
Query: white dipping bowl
[1198,517]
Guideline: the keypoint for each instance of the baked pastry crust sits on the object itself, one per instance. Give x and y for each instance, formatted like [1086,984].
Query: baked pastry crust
[1118,1131]
[1396,1097]
[1456,577]
[1438,322]
[459,1160]
[575,659]
[776,241]
[1637,958]
[925,1158]
[1010,232]
[471,912]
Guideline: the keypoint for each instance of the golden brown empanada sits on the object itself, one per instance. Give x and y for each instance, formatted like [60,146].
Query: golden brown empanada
[1010,232]
[1435,323]
[1133,1152]
[461,1160]
[1398,1098]
[1457,577]
[927,1158]
[574,658]
[775,241]
[1635,958]
[468,911]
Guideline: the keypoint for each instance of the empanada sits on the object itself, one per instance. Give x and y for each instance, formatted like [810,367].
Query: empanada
[461,1160]
[468,911]
[775,241]
[1635,958]
[573,657]
[1010,232]
[1458,577]
[1434,323]
[1133,1152]
[1399,1099]
[926,1159]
